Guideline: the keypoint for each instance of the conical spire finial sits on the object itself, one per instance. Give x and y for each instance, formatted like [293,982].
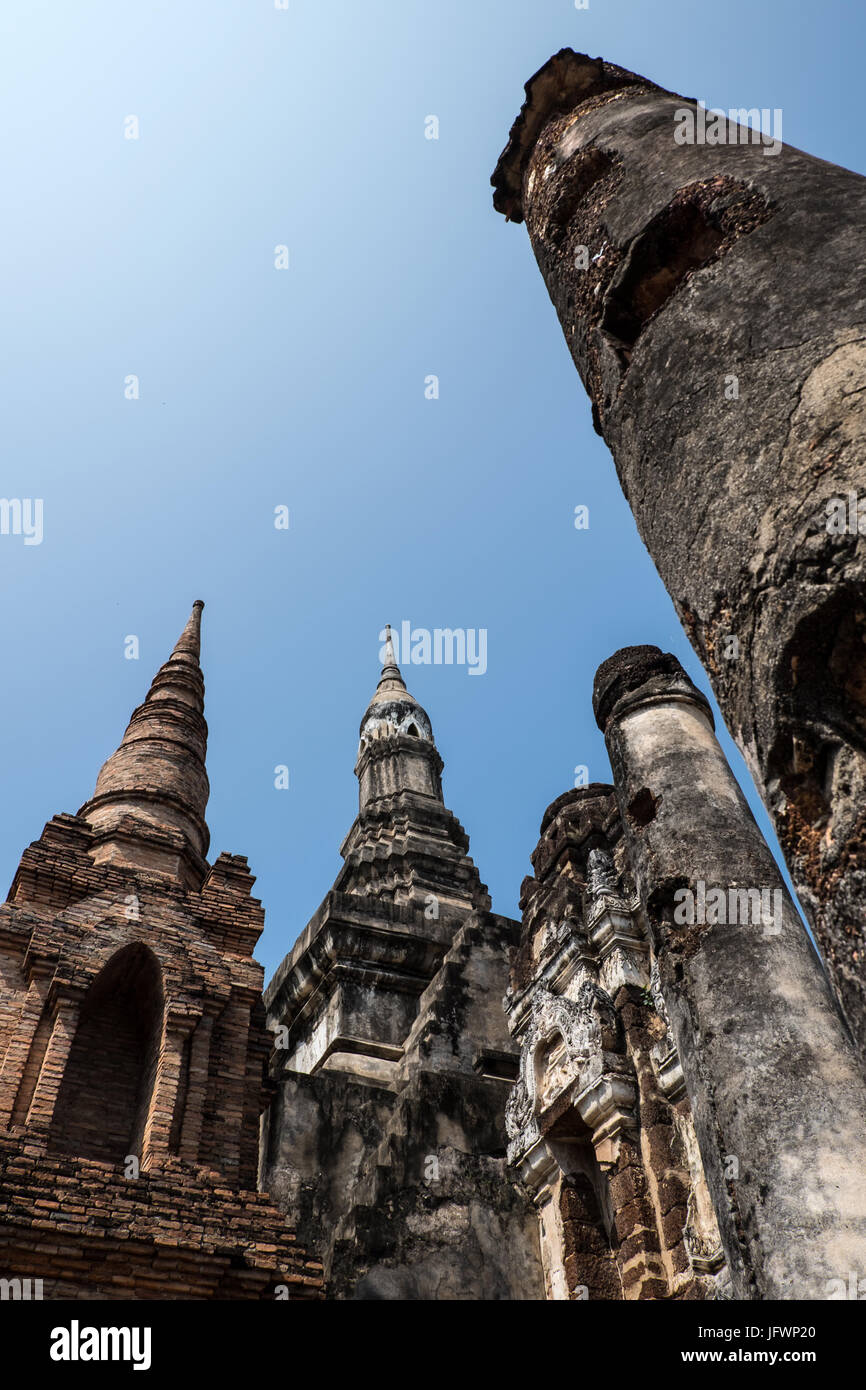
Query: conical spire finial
[390,669]
[396,725]
[155,786]
[188,643]
[392,706]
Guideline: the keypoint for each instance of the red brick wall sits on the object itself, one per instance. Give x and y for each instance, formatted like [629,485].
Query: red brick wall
[121,1028]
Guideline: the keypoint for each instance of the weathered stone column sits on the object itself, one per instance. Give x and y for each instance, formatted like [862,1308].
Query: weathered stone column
[778,1098]
[710,288]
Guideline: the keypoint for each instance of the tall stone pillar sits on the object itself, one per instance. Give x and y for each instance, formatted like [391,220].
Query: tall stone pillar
[710,288]
[777,1095]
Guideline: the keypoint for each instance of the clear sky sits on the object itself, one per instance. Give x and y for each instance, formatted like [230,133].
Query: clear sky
[154,257]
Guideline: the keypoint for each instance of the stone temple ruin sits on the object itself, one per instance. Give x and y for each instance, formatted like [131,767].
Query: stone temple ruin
[649,1087]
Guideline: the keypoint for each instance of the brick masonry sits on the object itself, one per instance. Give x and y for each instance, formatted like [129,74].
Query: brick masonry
[133,1040]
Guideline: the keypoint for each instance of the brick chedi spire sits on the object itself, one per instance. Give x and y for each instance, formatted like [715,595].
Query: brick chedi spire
[133,1043]
[148,807]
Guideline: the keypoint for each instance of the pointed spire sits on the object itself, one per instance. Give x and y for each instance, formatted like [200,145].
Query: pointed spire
[392,708]
[404,832]
[390,660]
[390,679]
[188,644]
[155,787]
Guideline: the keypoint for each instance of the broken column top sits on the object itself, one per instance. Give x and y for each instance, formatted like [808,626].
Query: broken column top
[645,670]
[565,81]
[576,796]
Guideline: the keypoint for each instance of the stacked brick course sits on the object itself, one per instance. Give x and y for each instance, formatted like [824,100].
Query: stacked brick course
[179,1232]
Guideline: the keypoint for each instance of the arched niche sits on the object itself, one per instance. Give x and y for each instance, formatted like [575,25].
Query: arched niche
[108,1082]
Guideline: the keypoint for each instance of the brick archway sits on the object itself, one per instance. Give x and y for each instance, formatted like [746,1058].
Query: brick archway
[109,1078]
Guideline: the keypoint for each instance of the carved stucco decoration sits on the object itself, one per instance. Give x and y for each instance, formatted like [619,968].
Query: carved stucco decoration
[602,877]
[702,1241]
[664,1053]
[564,1049]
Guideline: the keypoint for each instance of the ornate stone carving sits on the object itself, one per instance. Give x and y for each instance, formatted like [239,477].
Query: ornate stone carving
[602,878]
[571,1045]
[704,1248]
[665,1057]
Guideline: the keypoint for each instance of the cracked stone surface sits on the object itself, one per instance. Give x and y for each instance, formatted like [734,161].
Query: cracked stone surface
[773,1076]
[719,326]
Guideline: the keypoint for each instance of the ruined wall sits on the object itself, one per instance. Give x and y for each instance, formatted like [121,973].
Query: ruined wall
[397,1176]
[132,1077]
[712,298]
[88,1232]
[689,1099]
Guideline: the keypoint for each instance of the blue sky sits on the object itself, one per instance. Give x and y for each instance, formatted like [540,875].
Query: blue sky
[304,387]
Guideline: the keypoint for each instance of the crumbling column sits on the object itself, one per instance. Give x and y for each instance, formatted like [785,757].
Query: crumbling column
[777,1094]
[709,284]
